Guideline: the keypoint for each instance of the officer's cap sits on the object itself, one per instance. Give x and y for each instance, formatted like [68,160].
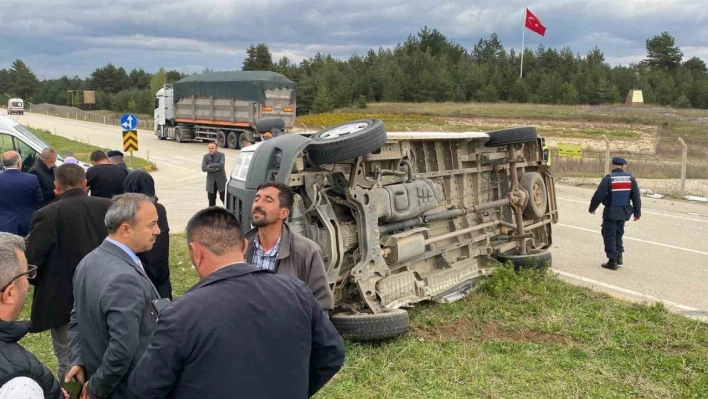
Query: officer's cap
[618,161]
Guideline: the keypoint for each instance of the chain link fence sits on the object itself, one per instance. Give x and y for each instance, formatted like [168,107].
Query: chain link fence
[78,114]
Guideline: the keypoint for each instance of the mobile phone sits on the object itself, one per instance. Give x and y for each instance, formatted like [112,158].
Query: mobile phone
[159,304]
[73,387]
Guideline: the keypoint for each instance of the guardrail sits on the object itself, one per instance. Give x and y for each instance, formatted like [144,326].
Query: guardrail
[63,111]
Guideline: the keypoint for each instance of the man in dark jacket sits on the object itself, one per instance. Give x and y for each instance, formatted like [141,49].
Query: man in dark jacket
[213,164]
[44,170]
[113,315]
[61,234]
[21,374]
[20,195]
[274,247]
[116,158]
[157,260]
[240,331]
[105,179]
[615,192]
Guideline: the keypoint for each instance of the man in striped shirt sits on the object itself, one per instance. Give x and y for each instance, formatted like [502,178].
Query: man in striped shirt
[615,192]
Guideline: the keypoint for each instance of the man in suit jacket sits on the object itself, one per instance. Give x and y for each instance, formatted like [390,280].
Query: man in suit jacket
[213,164]
[21,195]
[44,170]
[239,332]
[157,260]
[113,315]
[61,234]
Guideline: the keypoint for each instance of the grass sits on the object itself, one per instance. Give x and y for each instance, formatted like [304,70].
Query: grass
[81,151]
[526,335]
[607,113]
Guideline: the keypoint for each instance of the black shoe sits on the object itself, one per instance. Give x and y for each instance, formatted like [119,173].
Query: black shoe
[611,264]
[619,258]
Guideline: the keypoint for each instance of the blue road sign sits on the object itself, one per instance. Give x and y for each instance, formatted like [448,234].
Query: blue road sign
[128,121]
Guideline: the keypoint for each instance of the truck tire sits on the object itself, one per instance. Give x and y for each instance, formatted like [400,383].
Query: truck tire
[504,137]
[232,140]
[536,260]
[179,134]
[533,183]
[389,324]
[243,141]
[221,139]
[157,132]
[346,141]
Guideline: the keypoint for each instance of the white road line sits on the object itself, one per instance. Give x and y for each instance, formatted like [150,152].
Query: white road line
[637,239]
[645,211]
[626,291]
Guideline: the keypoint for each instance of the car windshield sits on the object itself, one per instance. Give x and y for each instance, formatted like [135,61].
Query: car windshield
[31,137]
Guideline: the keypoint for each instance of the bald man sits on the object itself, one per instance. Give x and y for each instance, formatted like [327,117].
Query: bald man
[44,170]
[20,197]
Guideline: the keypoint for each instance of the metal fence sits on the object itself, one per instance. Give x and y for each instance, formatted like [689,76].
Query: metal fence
[78,114]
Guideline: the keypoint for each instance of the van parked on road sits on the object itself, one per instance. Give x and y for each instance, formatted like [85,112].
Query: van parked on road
[15,106]
[15,137]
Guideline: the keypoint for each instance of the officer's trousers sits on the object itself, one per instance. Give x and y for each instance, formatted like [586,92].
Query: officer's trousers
[612,232]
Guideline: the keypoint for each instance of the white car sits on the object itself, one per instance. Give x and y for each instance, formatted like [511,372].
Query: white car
[15,137]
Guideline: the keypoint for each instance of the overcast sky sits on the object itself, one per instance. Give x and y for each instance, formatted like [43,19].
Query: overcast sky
[73,37]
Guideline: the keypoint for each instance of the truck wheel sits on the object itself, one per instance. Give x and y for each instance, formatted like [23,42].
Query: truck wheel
[221,139]
[346,141]
[504,137]
[536,260]
[533,183]
[390,323]
[157,132]
[178,134]
[243,141]
[232,140]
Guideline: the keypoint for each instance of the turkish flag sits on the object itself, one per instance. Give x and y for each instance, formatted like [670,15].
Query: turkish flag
[534,24]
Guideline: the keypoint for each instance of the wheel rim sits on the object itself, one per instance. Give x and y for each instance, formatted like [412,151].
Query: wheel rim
[349,128]
[537,195]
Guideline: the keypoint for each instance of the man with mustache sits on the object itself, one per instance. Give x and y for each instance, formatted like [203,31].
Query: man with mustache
[274,247]
[114,312]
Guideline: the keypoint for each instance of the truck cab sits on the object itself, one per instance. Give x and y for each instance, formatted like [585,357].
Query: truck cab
[405,217]
[15,106]
[164,113]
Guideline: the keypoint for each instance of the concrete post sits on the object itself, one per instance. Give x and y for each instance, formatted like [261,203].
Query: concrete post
[684,160]
[607,155]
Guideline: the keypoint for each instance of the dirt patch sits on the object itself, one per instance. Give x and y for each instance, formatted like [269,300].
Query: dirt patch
[463,330]
[563,131]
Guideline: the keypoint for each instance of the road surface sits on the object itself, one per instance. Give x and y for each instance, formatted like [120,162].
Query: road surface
[180,184]
[666,253]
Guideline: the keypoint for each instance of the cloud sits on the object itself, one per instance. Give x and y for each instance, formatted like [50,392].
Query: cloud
[73,37]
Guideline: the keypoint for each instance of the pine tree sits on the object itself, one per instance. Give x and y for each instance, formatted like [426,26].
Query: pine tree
[662,52]
[23,81]
[323,100]
[259,59]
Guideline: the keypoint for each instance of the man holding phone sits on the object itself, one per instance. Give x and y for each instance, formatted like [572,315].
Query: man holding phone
[114,310]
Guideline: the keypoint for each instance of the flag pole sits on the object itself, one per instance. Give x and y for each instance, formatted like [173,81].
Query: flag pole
[523,36]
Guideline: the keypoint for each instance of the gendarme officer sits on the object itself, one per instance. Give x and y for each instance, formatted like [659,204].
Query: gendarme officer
[615,192]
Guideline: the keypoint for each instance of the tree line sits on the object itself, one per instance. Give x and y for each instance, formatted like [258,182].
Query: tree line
[427,67]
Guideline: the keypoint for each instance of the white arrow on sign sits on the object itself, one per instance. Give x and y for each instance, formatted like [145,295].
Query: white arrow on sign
[129,124]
